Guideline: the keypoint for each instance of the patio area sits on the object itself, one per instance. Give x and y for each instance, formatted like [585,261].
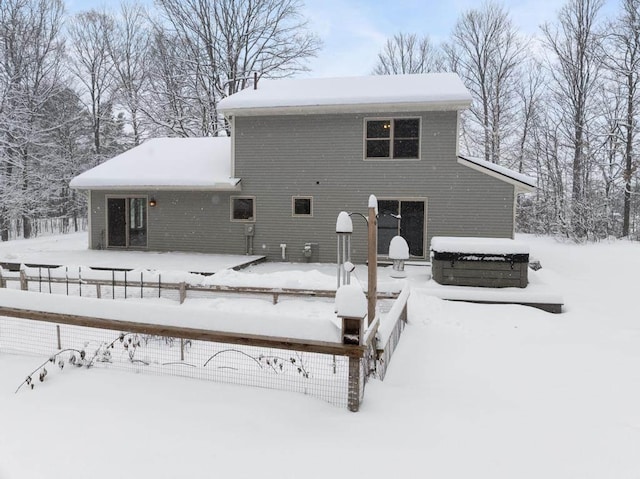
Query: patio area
[71,250]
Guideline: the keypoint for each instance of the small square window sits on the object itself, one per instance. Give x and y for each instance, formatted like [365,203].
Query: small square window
[242,209]
[302,206]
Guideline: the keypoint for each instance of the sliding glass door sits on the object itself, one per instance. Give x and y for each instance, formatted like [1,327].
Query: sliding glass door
[127,222]
[405,218]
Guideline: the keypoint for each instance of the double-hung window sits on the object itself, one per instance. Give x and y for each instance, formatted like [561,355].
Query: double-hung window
[392,138]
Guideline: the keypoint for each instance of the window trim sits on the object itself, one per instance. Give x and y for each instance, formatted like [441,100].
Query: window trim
[391,119]
[293,206]
[242,197]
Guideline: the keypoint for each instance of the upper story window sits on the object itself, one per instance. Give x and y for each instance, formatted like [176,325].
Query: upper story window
[393,138]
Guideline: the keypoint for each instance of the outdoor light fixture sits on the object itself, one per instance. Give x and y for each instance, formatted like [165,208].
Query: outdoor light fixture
[152,202]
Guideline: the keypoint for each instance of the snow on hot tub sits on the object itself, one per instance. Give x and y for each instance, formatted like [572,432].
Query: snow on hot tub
[487,262]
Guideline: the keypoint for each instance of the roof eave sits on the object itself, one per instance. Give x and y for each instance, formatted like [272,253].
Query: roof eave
[452,105]
[123,187]
[520,186]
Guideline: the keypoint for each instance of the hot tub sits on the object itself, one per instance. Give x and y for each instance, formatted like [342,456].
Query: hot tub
[486,262]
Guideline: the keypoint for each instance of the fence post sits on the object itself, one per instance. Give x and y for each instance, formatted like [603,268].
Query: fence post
[24,283]
[353,394]
[58,336]
[183,292]
[3,282]
[351,308]
[98,291]
[183,296]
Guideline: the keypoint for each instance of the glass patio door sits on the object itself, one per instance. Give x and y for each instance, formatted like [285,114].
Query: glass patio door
[411,225]
[127,222]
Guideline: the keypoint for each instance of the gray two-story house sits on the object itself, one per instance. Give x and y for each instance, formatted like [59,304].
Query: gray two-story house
[301,151]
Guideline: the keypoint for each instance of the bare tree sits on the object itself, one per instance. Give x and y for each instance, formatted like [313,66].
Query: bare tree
[574,41]
[93,67]
[408,53]
[31,49]
[622,59]
[485,51]
[530,97]
[222,42]
[129,47]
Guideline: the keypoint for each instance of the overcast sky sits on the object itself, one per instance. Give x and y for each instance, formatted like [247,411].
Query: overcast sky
[354,31]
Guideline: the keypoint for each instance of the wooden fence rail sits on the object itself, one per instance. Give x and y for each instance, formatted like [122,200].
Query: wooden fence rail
[183,288]
[169,331]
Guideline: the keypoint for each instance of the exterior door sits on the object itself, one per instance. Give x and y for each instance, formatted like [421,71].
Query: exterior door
[127,222]
[410,225]
[117,222]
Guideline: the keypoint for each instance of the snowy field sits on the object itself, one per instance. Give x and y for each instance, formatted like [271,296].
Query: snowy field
[495,391]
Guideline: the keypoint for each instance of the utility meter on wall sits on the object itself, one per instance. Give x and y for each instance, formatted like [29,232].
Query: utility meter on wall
[249,230]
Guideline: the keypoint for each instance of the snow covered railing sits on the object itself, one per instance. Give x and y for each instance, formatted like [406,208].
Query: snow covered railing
[389,331]
[134,284]
[178,321]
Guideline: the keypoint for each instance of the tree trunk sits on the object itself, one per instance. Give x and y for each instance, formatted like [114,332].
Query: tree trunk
[628,153]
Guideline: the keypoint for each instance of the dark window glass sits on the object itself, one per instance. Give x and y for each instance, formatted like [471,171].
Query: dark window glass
[406,128]
[378,149]
[378,129]
[412,226]
[406,148]
[117,221]
[138,222]
[243,208]
[401,141]
[387,225]
[302,206]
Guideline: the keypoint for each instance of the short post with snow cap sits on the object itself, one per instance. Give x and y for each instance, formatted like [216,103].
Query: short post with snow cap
[399,253]
[351,308]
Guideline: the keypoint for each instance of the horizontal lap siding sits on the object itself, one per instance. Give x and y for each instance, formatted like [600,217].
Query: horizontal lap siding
[181,221]
[321,156]
[278,157]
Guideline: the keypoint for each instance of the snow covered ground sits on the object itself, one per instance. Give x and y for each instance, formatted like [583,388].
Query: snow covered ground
[496,391]
[72,250]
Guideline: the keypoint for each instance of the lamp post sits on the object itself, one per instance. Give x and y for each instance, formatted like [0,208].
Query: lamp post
[344,229]
[372,259]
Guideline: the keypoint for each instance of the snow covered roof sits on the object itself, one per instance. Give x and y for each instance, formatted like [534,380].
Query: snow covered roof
[165,163]
[522,182]
[430,91]
[472,245]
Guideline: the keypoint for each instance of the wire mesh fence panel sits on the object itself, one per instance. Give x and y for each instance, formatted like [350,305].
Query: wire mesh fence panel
[322,376]
[385,357]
